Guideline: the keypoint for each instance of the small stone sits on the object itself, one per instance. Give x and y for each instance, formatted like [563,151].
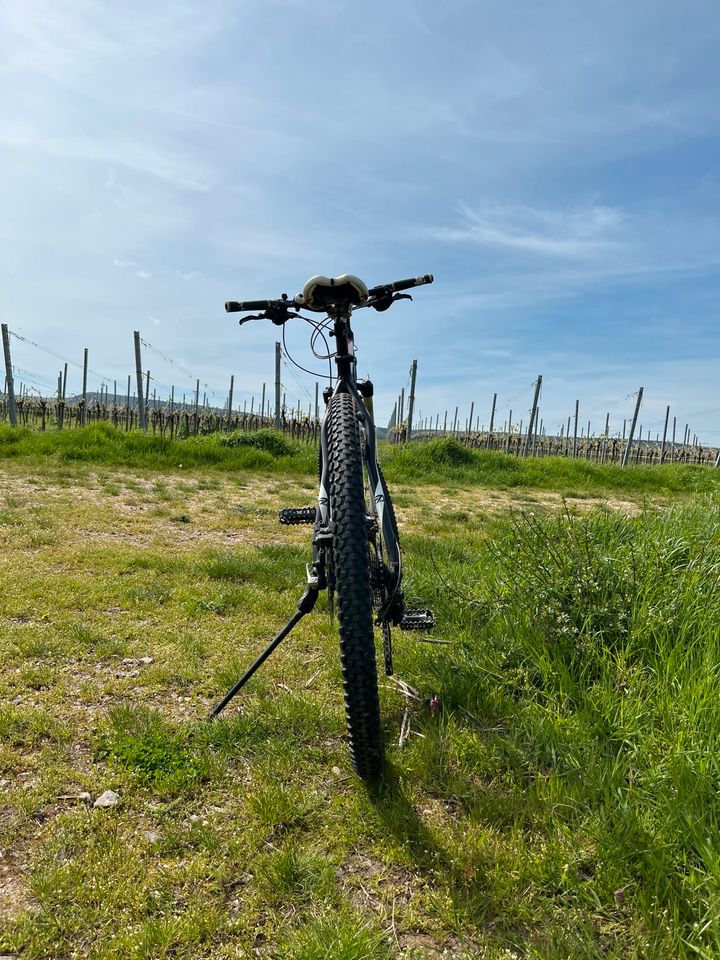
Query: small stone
[107,799]
[85,797]
[146,660]
[337,771]
[151,837]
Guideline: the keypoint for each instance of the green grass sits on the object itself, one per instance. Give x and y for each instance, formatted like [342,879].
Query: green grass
[264,451]
[560,802]
[443,460]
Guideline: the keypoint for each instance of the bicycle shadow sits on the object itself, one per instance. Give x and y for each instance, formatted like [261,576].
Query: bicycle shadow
[471,902]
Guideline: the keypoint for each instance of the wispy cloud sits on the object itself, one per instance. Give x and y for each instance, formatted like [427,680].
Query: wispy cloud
[576,234]
[130,265]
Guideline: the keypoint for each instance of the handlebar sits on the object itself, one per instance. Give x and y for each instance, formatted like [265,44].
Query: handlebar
[379,297]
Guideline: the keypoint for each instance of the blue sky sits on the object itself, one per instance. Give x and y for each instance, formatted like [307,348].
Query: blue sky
[555,165]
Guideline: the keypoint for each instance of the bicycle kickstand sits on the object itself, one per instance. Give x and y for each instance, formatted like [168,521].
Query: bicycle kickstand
[305,605]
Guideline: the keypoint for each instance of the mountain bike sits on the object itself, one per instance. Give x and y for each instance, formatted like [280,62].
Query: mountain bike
[355,544]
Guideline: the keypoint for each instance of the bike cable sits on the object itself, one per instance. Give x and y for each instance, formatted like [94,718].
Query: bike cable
[292,360]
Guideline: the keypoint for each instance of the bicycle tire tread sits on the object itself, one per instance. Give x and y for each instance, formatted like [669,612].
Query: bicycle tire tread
[354,595]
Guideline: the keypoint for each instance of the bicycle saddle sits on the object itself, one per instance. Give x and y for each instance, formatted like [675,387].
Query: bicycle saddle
[319,293]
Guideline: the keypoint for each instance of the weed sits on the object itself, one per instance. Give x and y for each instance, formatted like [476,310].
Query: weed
[158,755]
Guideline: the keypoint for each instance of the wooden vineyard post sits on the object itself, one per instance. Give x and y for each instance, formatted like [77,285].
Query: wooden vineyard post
[533,414]
[83,413]
[577,412]
[626,453]
[230,400]
[492,421]
[138,371]
[472,408]
[277,386]
[664,439]
[9,382]
[411,403]
[606,436]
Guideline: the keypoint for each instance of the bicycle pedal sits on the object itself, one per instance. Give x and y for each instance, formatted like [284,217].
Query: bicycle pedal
[417,620]
[293,515]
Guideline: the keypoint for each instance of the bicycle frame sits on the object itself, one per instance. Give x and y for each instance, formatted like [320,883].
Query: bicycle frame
[347,383]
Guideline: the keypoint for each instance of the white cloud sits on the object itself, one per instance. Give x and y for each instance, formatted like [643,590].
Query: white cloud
[123,263]
[582,233]
[143,274]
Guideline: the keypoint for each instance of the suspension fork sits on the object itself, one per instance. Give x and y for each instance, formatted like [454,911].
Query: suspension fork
[347,383]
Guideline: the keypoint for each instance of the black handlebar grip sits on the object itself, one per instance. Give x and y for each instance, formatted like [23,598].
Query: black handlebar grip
[412,282]
[239,306]
[387,288]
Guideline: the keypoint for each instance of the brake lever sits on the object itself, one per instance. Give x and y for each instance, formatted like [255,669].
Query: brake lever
[383,303]
[278,315]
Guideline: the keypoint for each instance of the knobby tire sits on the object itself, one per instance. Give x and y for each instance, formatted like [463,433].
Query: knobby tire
[351,562]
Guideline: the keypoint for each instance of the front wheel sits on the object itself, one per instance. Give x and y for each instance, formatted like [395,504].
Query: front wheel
[351,567]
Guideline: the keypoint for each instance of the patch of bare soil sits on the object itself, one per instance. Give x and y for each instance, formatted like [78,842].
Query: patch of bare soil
[437,503]
[15,898]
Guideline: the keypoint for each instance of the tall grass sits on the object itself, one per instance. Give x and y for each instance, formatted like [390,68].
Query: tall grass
[591,645]
[264,451]
[445,460]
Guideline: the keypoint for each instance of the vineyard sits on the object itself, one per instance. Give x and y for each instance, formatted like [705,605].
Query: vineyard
[34,406]
[179,423]
[596,449]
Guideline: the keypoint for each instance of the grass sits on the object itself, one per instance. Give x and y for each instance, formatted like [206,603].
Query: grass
[560,802]
[265,451]
[442,461]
